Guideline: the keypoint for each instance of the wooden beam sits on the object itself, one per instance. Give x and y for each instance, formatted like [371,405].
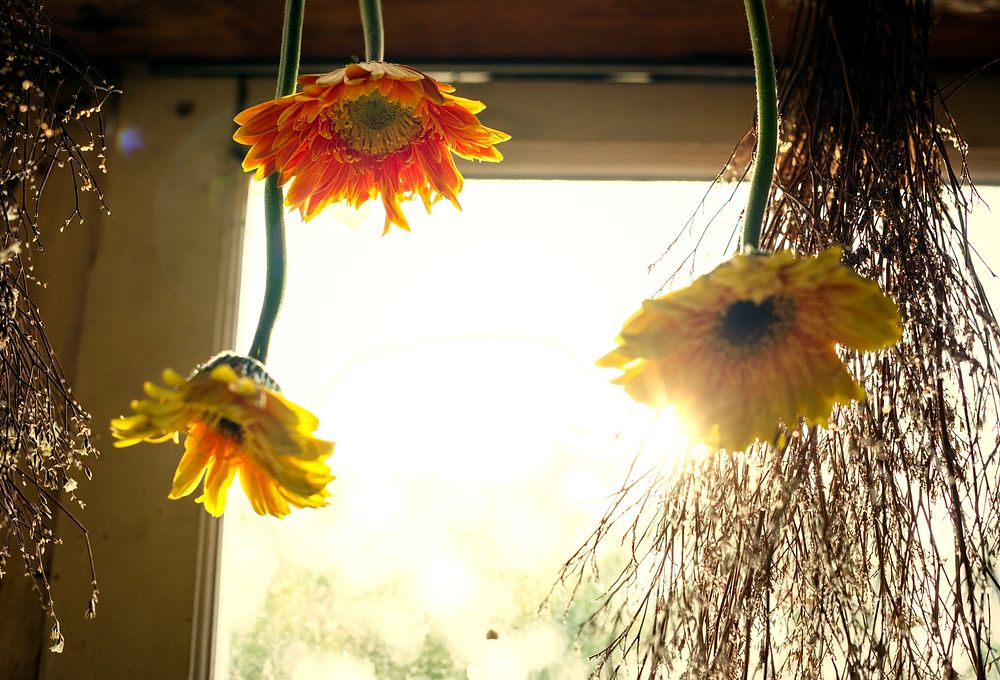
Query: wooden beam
[587,31]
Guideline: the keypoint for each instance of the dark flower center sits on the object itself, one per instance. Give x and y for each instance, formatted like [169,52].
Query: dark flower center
[374,112]
[231,429]
[375,125]
[746,325]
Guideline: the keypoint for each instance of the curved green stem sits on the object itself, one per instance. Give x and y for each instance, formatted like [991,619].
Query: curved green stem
[767,124]
[274,218]
[371,24]
[274,287]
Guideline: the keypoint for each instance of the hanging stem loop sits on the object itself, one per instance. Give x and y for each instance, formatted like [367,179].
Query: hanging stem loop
[767,124]
[274,219]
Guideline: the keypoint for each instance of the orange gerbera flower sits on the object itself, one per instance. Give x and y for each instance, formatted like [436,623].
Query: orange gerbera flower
[366,130]
[753,343]
[238,424]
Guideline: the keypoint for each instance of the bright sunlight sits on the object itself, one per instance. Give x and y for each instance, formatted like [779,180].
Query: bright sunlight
[477,443]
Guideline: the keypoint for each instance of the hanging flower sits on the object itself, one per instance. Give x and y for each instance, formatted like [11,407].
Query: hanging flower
[753,343]
[237,424]
[366,130]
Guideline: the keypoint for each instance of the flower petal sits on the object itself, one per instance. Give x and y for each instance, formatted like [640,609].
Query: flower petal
[751,345]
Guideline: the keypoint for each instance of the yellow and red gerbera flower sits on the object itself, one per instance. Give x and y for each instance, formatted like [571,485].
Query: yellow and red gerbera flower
[366,130]
[753,343]
[237,424]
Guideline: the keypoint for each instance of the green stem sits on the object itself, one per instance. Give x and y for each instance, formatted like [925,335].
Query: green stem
[274,217]
[371,24]
[767,124]
[274,287]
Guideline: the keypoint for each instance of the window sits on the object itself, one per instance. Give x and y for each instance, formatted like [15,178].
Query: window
[155,293]
[476,441]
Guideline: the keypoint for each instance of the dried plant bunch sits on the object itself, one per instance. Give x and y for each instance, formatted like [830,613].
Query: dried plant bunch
[50,102]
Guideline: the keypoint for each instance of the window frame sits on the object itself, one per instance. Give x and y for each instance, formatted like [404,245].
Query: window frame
[161,289]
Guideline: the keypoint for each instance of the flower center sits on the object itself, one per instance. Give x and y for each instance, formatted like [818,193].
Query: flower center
[230,429]
[746,327]
[375,125]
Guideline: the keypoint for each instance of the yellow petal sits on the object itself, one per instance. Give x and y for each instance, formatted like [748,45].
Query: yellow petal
[191,467]
[217,481]
[737,372]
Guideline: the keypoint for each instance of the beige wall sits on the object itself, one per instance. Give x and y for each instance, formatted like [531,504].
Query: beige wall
[155,286]
[150,287]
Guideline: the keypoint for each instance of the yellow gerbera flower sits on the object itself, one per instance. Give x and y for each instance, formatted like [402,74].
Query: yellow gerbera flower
[237,424]
[366,130]
[753,343]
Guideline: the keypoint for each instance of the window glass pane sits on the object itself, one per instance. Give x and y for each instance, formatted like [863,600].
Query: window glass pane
[477,443]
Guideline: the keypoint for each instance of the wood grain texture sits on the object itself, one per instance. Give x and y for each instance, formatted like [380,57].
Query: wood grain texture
[422,31]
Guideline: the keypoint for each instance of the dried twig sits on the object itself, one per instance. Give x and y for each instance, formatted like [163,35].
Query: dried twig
[50,123]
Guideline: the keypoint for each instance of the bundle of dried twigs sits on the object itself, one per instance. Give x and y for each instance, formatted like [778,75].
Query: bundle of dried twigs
[865,550]
[50,124]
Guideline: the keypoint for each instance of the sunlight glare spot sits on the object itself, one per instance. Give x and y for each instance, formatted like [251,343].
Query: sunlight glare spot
[446,584]
[657,439]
